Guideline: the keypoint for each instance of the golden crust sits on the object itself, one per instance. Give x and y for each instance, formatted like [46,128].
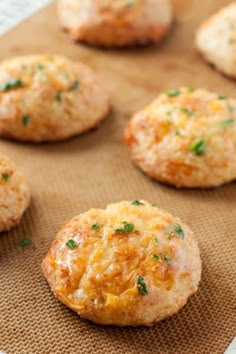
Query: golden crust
[52,98]
[216,40]
[186,138]
[14,194]
[117,23]
[99,277]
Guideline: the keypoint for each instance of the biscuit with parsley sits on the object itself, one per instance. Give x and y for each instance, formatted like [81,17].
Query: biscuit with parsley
[129,264]
[48,98]
[186,138]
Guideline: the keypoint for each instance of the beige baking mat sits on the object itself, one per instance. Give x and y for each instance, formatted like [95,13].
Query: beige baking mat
[93,170]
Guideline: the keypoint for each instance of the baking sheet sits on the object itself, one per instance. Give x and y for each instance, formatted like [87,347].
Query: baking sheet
[93,170]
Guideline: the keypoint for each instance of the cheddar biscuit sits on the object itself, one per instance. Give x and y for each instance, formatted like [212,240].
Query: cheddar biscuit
[14,194]
[130,264]
[186,138]
[48,98]
[117,23]
[216,40]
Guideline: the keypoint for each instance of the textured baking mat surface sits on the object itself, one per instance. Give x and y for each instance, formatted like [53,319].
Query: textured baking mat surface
[93,170]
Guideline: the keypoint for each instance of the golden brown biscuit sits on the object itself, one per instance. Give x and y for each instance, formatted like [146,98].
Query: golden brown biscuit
[130,264]
[186,138]
[48,98]
[14,194]
[216,40]
[117,23]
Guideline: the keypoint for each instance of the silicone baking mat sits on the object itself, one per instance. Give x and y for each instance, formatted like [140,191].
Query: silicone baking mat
[93,170]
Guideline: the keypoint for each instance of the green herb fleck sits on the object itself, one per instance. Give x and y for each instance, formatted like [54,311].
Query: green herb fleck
[222,97]
[172,93]
[141,286]
[168,232]
[11,84]
[127,228]
[5,177]
[25,242]
[71,244]
[58,96]
[66,76]
[177,132]
[179,230]
[190,89]
[176,228]
[167,259]
[75,85]
[40,71]
[25,120]
[137,202]
[156,257]
[187,111]
[227,122]
[155,205]
[198,147]
[96,226]
[130,4]
[156,240]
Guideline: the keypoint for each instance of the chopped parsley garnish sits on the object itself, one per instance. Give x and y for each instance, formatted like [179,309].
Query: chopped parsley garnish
[137,202]
[190,89]
[172,93]
[11,84]
[156,240]
[58,96]
[141,286]
[198,147]
[187,111]
[231,108]
[25,120]
[168,232]
[167,259]
[222,97]
[177,132]
[25,242]
[227,122]
[5,176]
[96,226]
[176,228]
[40,71]
[130,4]
[179,230]
[75,85]
[156,257]
[39,67]
[66,76]
[71,244]
[127,228]
[155,205]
